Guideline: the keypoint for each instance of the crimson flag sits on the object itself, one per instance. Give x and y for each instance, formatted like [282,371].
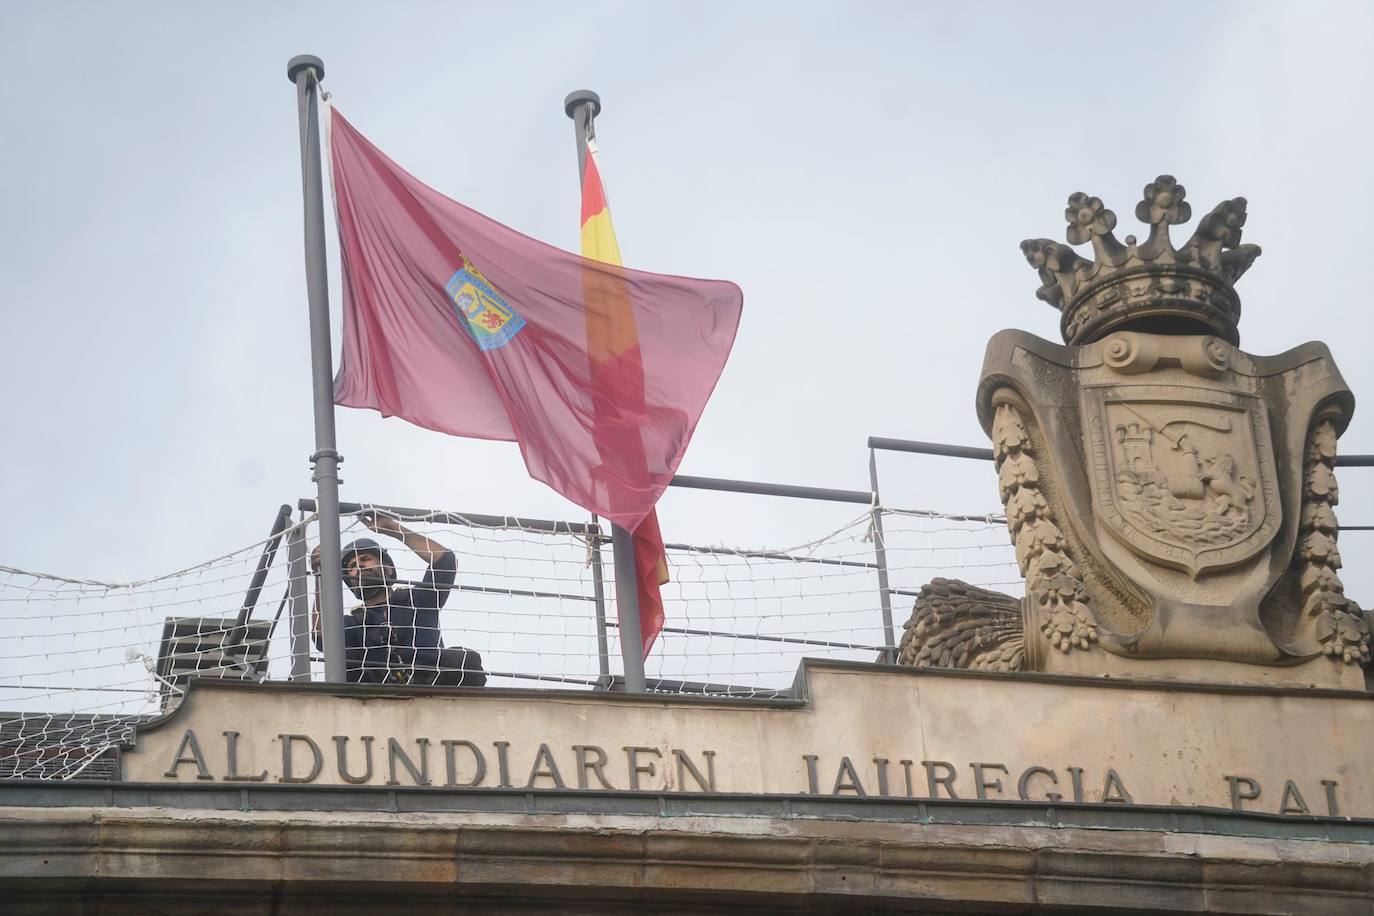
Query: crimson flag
[462,325]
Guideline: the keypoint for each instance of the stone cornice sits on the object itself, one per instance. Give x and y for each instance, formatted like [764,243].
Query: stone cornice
[320,860]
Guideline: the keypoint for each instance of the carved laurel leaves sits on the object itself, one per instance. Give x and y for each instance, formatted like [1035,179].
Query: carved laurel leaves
[1340,625]
[957,625]
[1052,579]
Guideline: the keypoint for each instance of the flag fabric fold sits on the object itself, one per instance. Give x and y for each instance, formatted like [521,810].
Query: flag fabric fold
[613,345]
[459,324]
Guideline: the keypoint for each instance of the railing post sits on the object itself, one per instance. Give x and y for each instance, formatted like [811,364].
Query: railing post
[880,552]
[627,609]
[603,652]
[250,600]
[300,604]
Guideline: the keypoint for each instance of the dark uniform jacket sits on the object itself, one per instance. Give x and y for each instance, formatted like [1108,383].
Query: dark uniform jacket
[398,641]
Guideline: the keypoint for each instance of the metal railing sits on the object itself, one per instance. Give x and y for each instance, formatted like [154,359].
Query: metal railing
[597,538]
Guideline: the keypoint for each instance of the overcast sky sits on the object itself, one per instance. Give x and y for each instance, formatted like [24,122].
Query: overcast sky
[864,171]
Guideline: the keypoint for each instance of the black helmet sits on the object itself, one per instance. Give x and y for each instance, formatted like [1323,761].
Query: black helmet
[364,545]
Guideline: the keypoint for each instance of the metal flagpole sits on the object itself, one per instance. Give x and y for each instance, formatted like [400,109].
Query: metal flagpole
[306,71]
[583,106]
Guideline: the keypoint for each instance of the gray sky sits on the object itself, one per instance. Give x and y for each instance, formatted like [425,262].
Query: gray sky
[863,171]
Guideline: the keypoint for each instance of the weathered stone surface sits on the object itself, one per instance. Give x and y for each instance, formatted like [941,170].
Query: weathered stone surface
[345,863]
[863,731]
[1166,491]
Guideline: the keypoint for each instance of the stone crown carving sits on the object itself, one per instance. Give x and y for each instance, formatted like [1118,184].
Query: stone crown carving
[1189,288]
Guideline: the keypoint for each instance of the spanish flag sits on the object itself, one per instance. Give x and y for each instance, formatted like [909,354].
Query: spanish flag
[617,360]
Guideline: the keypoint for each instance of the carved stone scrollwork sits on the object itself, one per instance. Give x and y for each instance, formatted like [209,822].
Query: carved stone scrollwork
[1339,624]
[1053,582]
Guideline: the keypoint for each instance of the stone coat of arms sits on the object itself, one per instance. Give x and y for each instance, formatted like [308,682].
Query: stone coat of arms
[1169,495]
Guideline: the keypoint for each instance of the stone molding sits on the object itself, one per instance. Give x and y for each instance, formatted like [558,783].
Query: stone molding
[330,862]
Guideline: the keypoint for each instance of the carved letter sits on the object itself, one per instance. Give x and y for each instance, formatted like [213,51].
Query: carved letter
[1023,784]
[632,755]
[188,740]
[1113,784]
[317,762]
[812,782]
[933,782]
[1292,801]
[1250,793]
[479,774]
[881,764]
[906,769]
[1331,807]
[503,763]
[852,784]
[394,752]
[341,754]
[583,765]
[981,783]
[708,783]
[231,753]
[548,771]
[1076,775]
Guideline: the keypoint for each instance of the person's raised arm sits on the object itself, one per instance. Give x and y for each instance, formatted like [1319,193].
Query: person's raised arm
[352,637]
[428,550]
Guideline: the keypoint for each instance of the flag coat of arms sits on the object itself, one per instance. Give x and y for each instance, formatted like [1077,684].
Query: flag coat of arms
[459,324]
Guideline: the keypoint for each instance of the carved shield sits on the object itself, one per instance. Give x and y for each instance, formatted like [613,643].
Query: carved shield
[1183,476]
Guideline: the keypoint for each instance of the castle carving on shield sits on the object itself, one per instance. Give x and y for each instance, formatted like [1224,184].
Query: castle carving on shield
[1170,496]
[1204,500]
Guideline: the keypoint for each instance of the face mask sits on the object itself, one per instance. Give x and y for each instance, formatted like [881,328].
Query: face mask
[368,582]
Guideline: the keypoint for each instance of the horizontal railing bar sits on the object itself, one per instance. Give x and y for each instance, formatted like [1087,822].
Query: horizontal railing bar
[929,448]
[64,687]
[686,631]
[773,489]
[904,591]
[659,683]
[706,688]
[985,454]
[912,593]
[468,519]
[563,679]
[768,555]
[991,518]
[523,593]
[516,674]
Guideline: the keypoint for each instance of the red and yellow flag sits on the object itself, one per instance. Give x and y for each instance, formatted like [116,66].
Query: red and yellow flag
[613,347]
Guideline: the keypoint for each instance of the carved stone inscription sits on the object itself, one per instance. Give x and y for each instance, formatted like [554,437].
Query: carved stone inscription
[961,736]
[453,763]
[464,764]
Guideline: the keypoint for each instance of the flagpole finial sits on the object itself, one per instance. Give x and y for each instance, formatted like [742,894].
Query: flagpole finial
[304,62]
[577,99]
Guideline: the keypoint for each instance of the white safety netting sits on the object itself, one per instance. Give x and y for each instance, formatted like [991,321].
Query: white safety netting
[83,661]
